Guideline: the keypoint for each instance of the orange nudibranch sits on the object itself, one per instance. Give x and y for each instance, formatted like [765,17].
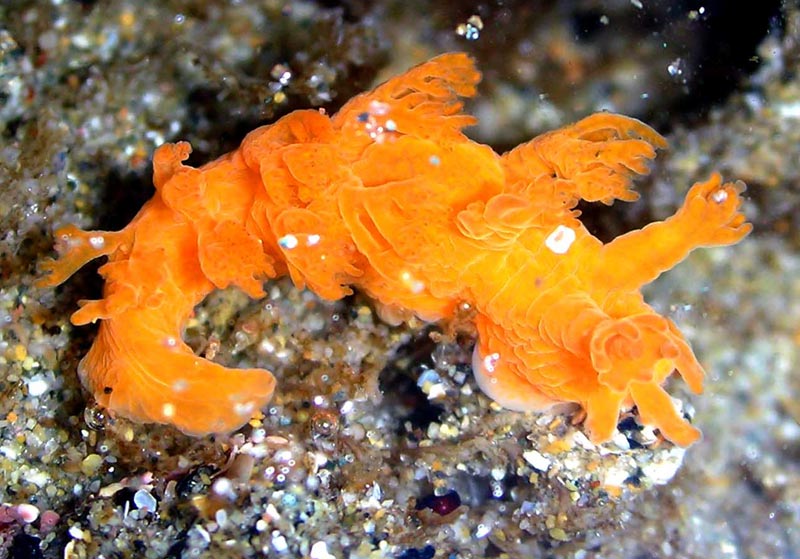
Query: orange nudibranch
[388,196]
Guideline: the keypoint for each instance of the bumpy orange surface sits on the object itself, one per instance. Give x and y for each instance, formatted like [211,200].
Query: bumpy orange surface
[390,197]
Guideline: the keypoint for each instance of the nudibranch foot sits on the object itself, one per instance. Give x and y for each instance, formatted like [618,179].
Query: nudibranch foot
[501,384]
[633,356]
[655,407]
[602,413]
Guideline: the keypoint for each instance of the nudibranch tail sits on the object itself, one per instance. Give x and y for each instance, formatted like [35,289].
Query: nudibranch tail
[159,267]
[141,371]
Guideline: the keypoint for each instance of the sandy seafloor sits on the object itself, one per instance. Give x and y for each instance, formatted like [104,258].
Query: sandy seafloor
[378,442]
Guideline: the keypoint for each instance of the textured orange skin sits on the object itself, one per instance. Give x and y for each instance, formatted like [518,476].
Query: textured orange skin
[388,196]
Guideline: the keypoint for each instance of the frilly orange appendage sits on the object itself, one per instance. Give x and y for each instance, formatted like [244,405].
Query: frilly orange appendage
[712,210]
[76,248]
[633,356]
[390,197]
[595,159]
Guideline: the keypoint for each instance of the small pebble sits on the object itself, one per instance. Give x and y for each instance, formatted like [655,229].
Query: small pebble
[27,513]
[537,460]
[91,464]
[49,520]
[37,386]
[145,501]
[442,505]
[320,551]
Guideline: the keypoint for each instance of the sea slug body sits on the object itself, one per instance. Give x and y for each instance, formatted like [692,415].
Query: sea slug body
[388,196]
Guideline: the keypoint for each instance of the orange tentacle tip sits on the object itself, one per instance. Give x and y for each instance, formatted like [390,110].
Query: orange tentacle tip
[390,197]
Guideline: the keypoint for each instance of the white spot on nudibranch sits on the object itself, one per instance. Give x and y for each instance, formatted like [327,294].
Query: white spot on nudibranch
[490,362]
[288,242]
[414,285]
[719,196]
[379,108]
[244,409]
[97,241]
[312,240]
[168,410]
[560,240]
[376,122]
[180,385]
